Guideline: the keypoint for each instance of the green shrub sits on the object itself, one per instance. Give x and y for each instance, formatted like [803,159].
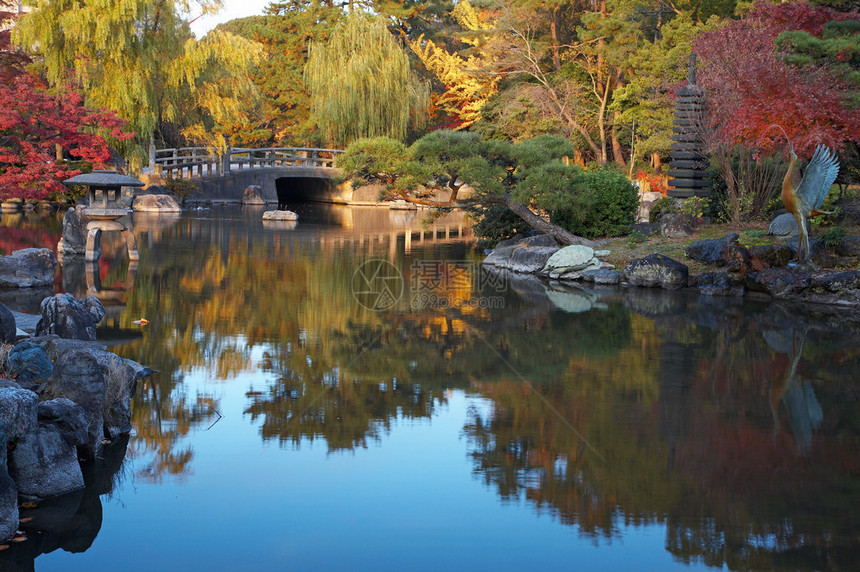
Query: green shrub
[603,202]
[496,223]
[179,188]
[635,238]
[833,237]
[695,207]
[661,207]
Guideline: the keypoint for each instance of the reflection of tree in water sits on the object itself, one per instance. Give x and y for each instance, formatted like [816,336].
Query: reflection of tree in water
[345,412]
[162,421]
[691,440]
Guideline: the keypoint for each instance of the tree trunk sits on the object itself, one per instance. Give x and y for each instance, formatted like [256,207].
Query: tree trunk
[617,152]
[656,163]
[537,223]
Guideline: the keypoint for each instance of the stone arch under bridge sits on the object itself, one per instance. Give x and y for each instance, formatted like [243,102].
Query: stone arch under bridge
[278,185]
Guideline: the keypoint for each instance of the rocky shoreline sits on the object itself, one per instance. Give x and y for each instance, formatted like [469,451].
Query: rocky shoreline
[63,397]
[737,271]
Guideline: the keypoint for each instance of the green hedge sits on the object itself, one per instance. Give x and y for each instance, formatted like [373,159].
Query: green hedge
[602,203]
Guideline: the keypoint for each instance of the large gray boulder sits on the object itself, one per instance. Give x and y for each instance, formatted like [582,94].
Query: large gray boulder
[68,317]
[44,465]
[771,255]
[528,260]
[121,377]
[29,363]
[785,283]
[525,256]
[656,270]
[604,276]
[712,250]
[74,239]
[18,412]
[68,417]
[28,268]
[8,501]
[78,376]
[156,203]
[719,284]
[676,225]
[849,246]
[8,329]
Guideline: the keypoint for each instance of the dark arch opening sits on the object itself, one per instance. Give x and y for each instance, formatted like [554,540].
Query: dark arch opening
[299,189]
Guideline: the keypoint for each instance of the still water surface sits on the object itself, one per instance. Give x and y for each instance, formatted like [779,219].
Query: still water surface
[355,393]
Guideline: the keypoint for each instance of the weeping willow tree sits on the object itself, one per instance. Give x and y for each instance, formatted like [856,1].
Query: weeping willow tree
[139,58]
[361,84]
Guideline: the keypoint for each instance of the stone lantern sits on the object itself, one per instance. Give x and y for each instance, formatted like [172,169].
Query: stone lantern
[104,190]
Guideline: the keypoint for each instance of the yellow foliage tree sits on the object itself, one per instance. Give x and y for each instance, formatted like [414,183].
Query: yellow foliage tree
[467,80]
[139,58]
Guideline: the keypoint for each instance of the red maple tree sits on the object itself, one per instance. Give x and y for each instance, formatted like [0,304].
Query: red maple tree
[751,87]
[34,122]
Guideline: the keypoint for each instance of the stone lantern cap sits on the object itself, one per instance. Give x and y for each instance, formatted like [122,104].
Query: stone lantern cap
[104,180]
[108,184]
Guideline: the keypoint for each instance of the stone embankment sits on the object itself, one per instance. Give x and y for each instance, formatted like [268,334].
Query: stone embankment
[63,396]
[737,270]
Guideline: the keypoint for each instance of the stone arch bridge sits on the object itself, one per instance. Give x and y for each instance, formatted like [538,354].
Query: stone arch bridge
[284,174]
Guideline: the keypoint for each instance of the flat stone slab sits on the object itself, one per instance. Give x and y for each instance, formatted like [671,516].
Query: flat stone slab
[280,215]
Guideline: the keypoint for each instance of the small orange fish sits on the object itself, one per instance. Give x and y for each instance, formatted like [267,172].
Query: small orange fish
[141,322]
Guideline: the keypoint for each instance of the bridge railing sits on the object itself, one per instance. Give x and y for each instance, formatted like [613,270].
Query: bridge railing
[197,162]
[187,162]
[241,158]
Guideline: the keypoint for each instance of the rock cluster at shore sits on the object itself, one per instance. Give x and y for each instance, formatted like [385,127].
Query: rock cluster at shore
[737,270]
[61,400]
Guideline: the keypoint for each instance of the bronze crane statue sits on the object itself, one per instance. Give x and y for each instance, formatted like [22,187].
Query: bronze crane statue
[804,199]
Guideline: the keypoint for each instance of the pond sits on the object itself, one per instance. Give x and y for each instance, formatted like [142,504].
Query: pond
[354,392]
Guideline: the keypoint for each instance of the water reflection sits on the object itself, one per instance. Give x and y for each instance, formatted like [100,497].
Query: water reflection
[729,441]
[70,522]
[730,423]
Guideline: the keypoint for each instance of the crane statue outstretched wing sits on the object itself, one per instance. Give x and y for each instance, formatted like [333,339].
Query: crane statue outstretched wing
[818,177]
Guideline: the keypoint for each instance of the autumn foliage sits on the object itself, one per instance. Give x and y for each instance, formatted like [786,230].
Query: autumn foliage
[751,85]
[33,123]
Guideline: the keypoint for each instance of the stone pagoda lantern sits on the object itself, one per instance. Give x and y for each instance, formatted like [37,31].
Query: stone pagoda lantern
[104,209]
[688,162]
